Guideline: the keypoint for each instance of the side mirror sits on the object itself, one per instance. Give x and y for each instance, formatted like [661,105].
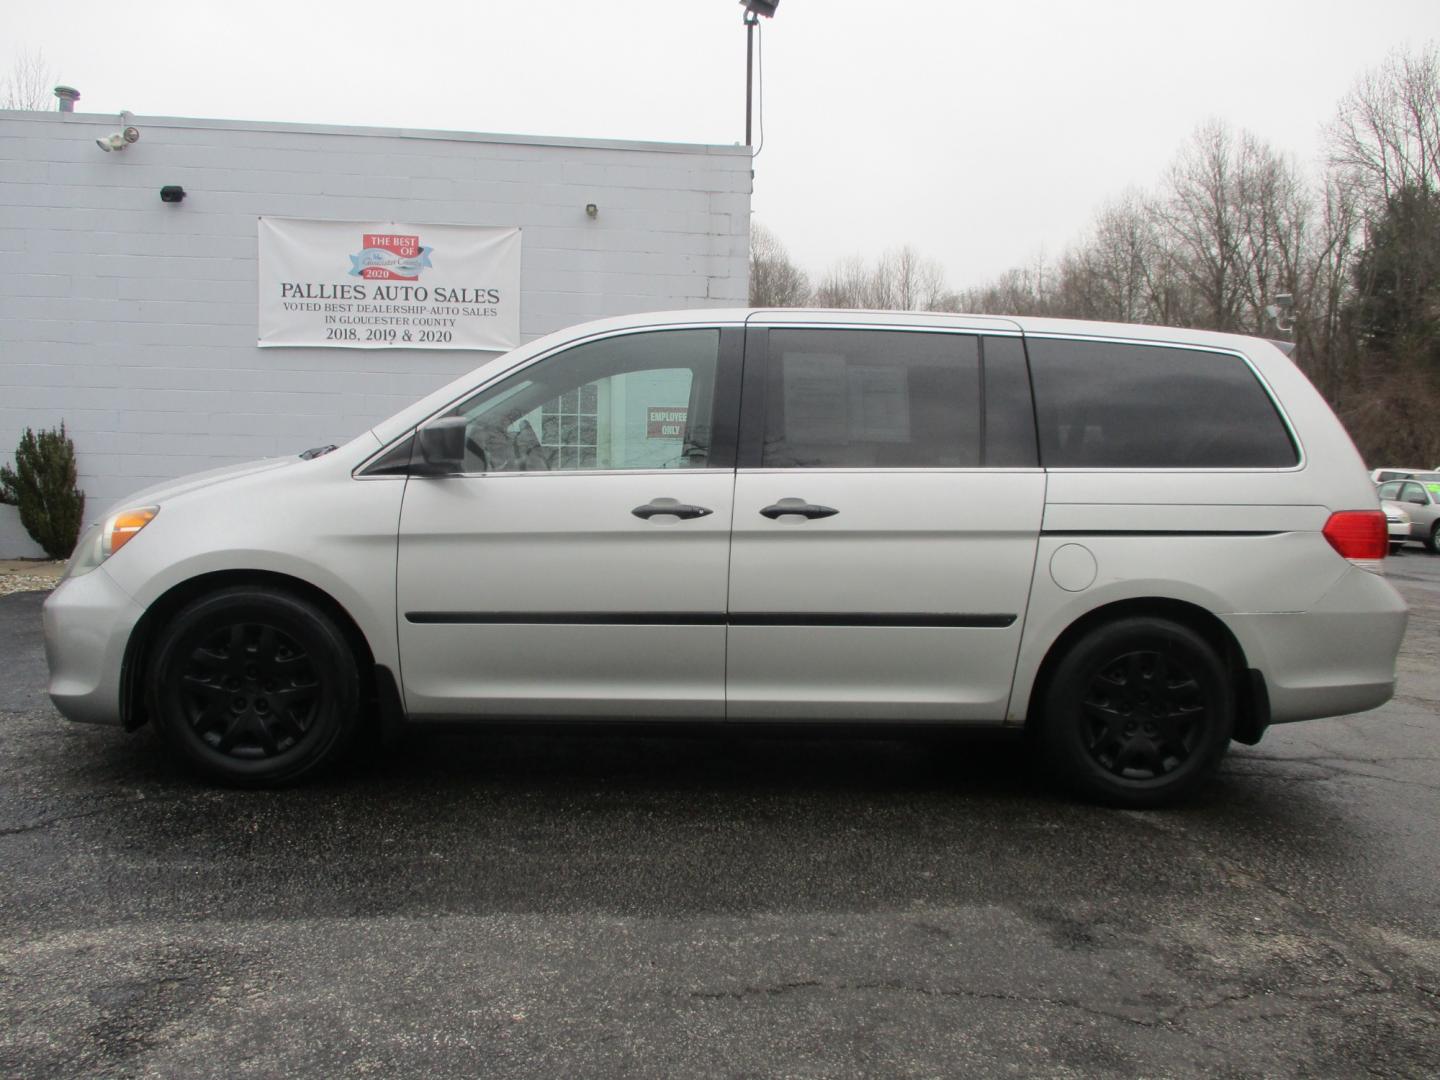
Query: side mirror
[1418,500]
[440,447]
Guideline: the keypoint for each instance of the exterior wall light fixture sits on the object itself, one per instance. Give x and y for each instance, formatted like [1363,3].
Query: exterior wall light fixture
[172,193]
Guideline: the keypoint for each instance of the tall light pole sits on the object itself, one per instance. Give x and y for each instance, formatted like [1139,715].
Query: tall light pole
[753,10]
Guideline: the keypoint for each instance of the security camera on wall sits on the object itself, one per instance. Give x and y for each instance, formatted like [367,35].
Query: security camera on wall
[118,140]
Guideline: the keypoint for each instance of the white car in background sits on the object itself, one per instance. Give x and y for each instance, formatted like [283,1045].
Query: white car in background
[1397,521]
[1138,542]
[1425,476]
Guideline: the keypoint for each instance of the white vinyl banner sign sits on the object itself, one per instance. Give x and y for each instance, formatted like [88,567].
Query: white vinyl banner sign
[382,285]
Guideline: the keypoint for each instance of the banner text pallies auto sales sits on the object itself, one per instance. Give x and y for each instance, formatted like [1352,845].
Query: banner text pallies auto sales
[305,297]
[469,300]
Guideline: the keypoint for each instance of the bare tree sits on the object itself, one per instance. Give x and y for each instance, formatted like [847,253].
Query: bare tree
[847,284]
[1234,214]
[30,83]
[910,281]
[899,280]
[1274,208]
[1018,291]
[1201,217]
[1115,273]
[1235,224]
[775,281]
[1387,132]
[1318,277]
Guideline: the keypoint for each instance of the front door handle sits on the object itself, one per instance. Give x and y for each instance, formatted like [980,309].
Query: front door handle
[656,507]
[796,506]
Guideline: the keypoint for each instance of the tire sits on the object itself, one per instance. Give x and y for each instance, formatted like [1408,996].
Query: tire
[1432,542]
[1095,731]
[253,687]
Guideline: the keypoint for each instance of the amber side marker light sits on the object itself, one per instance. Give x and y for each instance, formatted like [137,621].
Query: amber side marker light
[121,528]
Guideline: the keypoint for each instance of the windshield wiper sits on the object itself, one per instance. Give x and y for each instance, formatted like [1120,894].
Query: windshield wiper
[316,451]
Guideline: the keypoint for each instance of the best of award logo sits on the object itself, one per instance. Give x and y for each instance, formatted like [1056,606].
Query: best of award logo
[390,258]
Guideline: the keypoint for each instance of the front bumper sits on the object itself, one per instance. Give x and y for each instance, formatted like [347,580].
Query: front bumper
[88,621]
[1335,659]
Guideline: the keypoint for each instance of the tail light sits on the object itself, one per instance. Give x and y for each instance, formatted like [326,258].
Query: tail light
[1361,536]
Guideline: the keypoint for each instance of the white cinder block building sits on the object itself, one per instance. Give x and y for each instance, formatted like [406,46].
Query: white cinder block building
[135,320]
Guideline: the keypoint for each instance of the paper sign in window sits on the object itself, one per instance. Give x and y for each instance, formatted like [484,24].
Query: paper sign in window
[817,398]
[879,404]
[665,423]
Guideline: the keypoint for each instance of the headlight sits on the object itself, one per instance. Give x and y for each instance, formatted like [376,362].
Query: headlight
[107,537]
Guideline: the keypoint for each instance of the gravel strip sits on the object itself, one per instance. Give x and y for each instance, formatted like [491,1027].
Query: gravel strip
[31,582]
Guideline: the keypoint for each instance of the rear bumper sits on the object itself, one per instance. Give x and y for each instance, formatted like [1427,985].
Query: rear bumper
[87,623]
[1337,658]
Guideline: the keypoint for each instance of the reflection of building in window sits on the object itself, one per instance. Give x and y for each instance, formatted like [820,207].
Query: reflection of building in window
[623,421]
[568,428]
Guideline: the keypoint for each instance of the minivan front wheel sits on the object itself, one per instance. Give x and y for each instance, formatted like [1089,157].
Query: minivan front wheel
[1138,713]
[253,686]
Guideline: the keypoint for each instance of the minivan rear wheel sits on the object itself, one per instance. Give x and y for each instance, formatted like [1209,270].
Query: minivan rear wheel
[253,686]
[1138,713]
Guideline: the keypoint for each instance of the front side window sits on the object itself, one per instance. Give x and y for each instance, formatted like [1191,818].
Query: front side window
[1106,405]
[1414,493]
[639,401]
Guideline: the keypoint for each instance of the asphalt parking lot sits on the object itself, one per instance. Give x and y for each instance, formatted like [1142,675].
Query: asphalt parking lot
[741,906]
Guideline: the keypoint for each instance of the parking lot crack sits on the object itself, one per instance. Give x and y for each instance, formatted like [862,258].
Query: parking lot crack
[895,986]
[1329,769]
[46,823]
[757,991]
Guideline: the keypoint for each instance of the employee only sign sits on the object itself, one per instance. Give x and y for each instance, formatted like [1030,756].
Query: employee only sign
[383,285]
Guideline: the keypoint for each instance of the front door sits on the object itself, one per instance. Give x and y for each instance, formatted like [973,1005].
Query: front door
[887,510]
[578,567]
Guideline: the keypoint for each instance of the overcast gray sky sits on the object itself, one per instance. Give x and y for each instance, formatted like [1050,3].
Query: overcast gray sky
[980,133]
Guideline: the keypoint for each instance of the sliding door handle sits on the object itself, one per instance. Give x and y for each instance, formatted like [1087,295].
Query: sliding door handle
[795,506]
[656,507]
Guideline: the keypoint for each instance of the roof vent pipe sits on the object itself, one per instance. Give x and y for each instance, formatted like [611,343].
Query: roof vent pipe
[68,95]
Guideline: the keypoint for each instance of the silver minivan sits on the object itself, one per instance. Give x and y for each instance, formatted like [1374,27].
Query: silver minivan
[1136,543]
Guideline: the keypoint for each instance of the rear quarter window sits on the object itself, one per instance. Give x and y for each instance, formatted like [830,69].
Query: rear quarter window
[1106,405]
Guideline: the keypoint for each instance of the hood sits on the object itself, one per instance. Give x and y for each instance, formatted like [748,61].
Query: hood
[159,493]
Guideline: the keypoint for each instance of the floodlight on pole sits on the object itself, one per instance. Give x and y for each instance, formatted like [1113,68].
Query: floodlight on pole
[753,10]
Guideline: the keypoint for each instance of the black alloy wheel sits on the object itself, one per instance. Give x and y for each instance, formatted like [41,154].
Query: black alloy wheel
[249,691]
[1138,712]
[254,686]
[1143,715]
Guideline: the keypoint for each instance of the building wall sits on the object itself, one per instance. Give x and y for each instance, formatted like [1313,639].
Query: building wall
[134,321]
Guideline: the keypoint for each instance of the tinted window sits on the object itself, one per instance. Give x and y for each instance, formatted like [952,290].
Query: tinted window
[1414,493]
[1111,406]
[640,401]
[871,399]
[1390,490]
[1009,414]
